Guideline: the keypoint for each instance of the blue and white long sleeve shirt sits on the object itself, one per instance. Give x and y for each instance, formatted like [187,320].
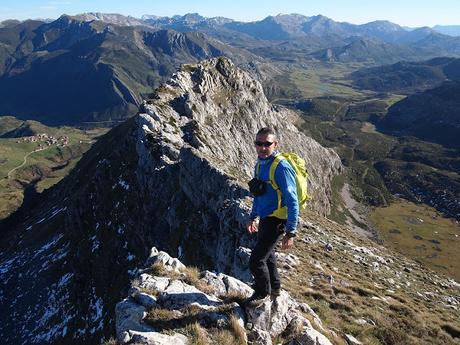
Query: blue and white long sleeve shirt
[264,205]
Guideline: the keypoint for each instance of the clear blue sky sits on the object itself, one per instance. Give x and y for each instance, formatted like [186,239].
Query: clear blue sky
[404,12]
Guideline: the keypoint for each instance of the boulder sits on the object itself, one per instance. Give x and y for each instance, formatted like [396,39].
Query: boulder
[351,340]
[145,299]
[129,315]
[152,283]
[284,309]
[259,316]
[310,336]
[163,258]
[155,338]
[259,337]
[224,284]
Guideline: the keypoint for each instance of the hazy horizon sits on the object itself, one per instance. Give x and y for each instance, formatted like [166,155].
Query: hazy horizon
[430,13]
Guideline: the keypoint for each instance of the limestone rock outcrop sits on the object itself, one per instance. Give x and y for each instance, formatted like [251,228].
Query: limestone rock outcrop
[211,309]
[175,177]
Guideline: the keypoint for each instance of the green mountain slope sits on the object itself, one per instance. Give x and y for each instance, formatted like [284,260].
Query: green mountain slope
[433,115]
[71,71]
[405,77]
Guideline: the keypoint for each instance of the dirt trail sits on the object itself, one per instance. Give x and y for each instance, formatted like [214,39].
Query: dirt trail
[25,161]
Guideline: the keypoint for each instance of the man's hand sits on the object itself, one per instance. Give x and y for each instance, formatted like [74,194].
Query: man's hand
[252,226]
[287,242]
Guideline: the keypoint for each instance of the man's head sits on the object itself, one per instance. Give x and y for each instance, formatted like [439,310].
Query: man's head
[265,142]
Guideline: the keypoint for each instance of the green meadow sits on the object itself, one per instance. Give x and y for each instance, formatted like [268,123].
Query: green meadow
[420,232]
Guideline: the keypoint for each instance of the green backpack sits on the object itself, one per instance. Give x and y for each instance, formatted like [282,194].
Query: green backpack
[301,177]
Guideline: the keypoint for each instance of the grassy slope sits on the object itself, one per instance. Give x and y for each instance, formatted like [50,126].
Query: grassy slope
[361,288]
[422,233]
[44,168]
[8,123]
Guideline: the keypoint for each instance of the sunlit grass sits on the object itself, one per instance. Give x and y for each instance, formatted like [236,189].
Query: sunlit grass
[420,232]
[20,164]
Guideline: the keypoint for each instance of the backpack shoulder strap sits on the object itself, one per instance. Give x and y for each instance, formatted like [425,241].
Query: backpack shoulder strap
[279,212]
[273,166]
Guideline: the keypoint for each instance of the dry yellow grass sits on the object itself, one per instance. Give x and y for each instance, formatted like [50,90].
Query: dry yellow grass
[164,319]
[360,300]
[197,335]
[233,296]
[238,332]
[223,337]
[111,341]
[192,277]
[189,275]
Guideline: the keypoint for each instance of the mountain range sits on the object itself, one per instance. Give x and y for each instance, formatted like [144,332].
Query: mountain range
[109,66]
[452,30]
[112,61]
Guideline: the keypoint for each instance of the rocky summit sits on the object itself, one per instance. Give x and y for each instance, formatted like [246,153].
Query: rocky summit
[174,177]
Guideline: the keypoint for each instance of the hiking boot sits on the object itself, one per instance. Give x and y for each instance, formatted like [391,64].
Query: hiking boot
[275,293]
[256,300]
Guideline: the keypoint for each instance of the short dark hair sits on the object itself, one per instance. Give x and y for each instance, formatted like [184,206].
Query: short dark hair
[266,131]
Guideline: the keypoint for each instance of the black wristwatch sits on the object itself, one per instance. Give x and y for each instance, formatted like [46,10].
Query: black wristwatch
[290,234]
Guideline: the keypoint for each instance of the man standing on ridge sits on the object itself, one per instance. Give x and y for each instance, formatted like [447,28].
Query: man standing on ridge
[278,211]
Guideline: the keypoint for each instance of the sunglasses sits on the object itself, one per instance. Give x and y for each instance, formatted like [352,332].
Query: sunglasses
[263,143]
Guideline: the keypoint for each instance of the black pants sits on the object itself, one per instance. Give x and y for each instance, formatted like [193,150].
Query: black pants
[263,261]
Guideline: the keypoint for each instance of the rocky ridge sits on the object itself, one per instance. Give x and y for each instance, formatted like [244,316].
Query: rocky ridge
[172,177]
[213,103]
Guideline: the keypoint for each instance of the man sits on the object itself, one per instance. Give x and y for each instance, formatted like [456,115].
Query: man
[275,223]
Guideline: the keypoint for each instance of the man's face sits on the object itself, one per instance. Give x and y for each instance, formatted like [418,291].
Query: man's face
[265,145]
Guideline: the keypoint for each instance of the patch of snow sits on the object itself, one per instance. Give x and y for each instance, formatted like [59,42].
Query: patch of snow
[103,161]
[96,244]
[79,332]
[48,245]
[65,279]
[123,183]
[57,211]
[98,308]
[6,265]
[54,308]
[41,220]
[96,312]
